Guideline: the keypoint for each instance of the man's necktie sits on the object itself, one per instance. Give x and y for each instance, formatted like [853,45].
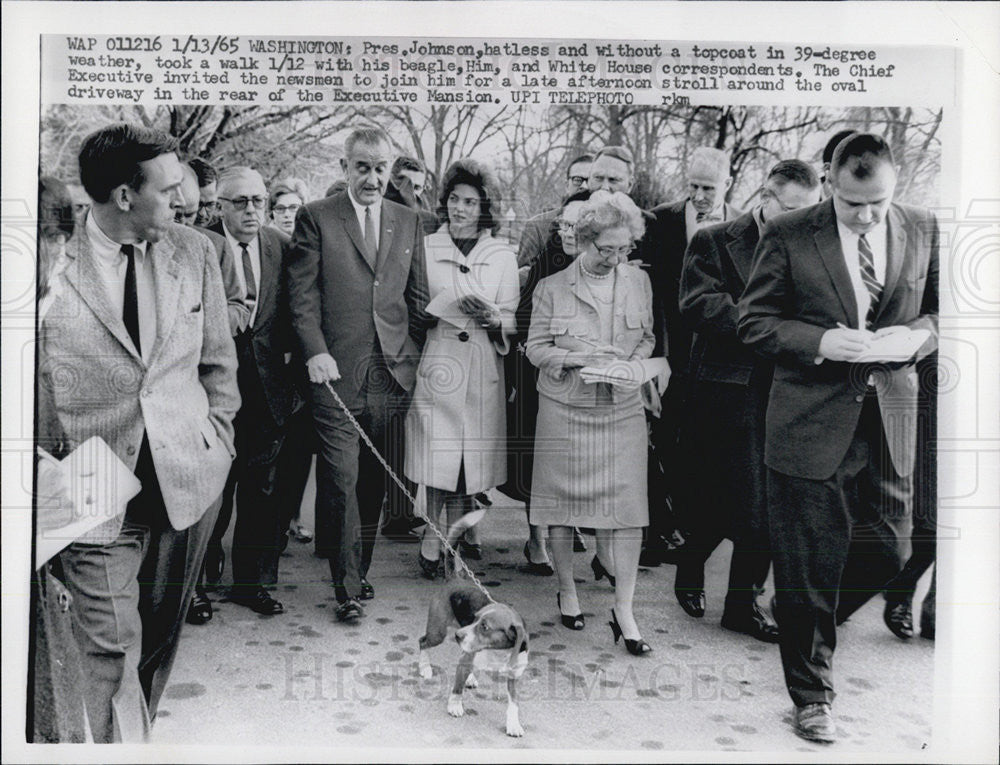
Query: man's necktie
[248,275]
[370,234]
[130,311]
[866,259]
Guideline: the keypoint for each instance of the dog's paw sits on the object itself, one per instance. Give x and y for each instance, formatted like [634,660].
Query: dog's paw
[426,671]
[471,681]
[455,708]
[514,725]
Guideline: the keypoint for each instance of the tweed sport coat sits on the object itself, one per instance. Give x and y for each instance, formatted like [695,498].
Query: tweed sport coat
[92,380]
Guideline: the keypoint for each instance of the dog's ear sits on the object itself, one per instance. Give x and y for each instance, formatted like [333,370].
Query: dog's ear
[519,650]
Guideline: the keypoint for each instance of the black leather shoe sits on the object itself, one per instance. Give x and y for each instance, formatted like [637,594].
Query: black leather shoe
[692,601]
[367,591]
[200,610]
[428,567]
[470,551]
[751,621]
[814,722]
[579,545]
[538,569]
[258,600]
[215,563]
[898,617]
[349,611]
[600,572]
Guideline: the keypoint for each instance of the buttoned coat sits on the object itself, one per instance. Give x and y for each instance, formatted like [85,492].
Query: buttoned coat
[458,415]
[798,289]
[564,318]
[342,300]
[93,382]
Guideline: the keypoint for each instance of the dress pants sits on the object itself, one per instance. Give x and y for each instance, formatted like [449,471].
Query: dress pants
[722,443]
[665,478]
[815,527]
[350,481]
[129,598]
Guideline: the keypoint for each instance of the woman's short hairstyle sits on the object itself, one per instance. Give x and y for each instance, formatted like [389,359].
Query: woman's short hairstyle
[295,186]
[606,210]
[481,178]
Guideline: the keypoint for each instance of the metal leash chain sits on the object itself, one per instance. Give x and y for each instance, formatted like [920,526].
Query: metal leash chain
[422,515]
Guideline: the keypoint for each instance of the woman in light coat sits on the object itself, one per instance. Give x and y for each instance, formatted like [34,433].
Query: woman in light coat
[591,326]
[456,428]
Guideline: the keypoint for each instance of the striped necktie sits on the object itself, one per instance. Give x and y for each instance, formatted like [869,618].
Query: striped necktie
[866,259]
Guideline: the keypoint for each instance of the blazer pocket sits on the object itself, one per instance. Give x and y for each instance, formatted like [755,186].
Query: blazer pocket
[196,309]
[637,319]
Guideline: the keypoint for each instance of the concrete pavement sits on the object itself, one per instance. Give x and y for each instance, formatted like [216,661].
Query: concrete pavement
[303,680]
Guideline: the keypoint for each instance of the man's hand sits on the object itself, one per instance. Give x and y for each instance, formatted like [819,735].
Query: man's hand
[322,368]
[844,344]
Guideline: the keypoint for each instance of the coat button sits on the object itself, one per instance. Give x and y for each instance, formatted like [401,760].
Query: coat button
[463,336]
[859,398]
[463,268]
[130,451]
[376,282]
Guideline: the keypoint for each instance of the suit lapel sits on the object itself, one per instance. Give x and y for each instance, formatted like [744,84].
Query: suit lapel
[354,230]
[387,226]
[895,256]
[828,244]
[166,285]
[268,263]
[84,277]
[741,241]
[578,288]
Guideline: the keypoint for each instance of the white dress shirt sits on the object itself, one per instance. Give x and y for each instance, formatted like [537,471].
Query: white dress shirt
[253,247]
[691,224]
[112,265]
[376,213]
[849,246]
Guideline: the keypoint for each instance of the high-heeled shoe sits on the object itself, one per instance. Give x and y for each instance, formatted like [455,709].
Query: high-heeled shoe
[538,569]
[569,622]
[428,567]
[635,647]
[600,572]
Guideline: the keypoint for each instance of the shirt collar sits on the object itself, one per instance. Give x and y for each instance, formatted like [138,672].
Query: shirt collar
[758,216]
[104,247]
[234,243]
[877,234]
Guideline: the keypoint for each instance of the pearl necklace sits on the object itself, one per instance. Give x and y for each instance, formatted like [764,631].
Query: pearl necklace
[592,275]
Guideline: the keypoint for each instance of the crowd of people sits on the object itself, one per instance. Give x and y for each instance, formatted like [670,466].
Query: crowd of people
[659,380]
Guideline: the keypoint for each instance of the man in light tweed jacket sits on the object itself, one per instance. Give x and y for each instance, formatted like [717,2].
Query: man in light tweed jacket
[135,348]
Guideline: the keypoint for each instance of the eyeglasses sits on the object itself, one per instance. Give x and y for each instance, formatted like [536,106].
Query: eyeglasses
[607,252]
[282,209]
[208,204]
[240,203]
[578,180]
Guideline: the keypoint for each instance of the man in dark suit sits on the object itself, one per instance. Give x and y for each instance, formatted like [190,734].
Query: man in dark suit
[265,386]
[537,230]
[723,428]
[829,283]
[135,348]
[675,224]
[358,291]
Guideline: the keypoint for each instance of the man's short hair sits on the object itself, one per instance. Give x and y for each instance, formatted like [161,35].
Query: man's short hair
[110,157]
[578,160]
[372,136]
[235,173]
[794,171]
[861,155]
[708,162]
[55,207]
[833,143]
[206,173]
[404,163]
[624,153]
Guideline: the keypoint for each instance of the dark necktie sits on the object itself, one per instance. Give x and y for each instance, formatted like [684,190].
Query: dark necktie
[130,311]
[866,259]
[708,217]
[248,276]
[370,234]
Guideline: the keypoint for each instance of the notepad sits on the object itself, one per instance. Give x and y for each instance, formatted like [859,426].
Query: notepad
[99,486]
[899,346]
[445,305]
